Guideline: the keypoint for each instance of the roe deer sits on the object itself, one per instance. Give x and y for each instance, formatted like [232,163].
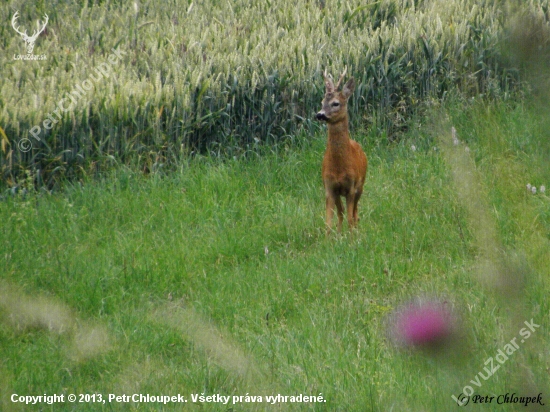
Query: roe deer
[344,164]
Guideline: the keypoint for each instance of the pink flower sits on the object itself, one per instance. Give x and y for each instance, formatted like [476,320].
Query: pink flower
[421,324]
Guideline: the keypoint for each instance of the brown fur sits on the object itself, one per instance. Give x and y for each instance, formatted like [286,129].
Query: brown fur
[344,164]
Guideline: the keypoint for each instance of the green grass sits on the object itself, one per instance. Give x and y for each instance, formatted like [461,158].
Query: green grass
[218,278]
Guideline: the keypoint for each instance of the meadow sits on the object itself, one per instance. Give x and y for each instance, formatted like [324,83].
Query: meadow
[167,236]
[218,279]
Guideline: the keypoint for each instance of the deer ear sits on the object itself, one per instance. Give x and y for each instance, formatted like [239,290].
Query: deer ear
[348,88]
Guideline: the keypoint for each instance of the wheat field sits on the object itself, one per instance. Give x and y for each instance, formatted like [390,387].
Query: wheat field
[223,77]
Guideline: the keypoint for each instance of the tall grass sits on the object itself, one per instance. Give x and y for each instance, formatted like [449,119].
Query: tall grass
[225,76]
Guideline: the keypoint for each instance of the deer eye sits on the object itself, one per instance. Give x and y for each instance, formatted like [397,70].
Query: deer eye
[335,104]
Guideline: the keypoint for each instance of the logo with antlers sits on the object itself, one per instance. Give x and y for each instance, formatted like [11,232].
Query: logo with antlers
[28,39]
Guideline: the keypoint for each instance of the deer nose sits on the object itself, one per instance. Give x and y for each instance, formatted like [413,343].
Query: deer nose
[321,116]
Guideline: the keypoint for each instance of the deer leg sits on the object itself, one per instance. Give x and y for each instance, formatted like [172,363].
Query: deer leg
[350,204]
[340,213]
[355,202]
[329,200]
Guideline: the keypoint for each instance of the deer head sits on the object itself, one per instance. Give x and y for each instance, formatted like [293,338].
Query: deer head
[28,39]
[334,105]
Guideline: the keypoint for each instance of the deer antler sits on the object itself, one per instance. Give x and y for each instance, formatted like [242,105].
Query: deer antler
[329,85]
[341,77]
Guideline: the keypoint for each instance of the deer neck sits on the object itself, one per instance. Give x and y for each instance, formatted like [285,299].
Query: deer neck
[338,135]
